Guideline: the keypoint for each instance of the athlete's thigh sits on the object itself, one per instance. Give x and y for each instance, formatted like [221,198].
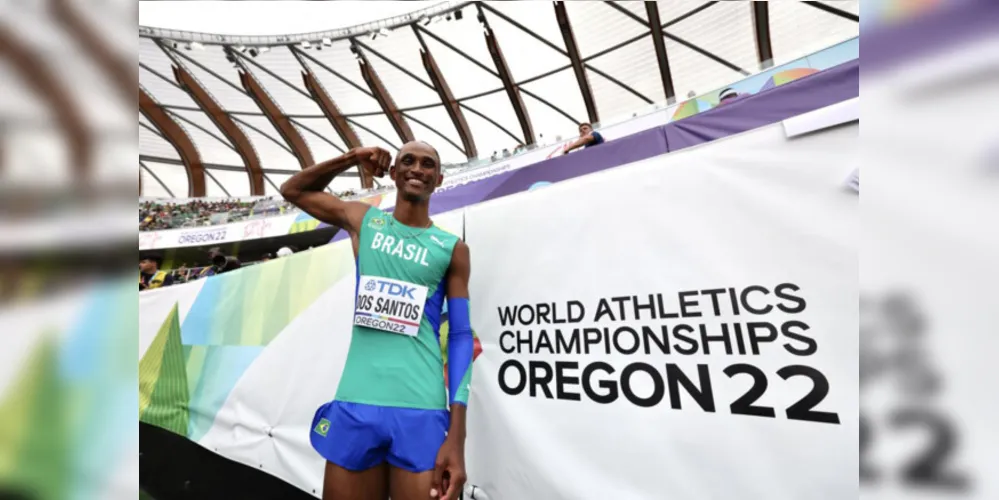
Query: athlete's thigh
[406,485]
[343,484]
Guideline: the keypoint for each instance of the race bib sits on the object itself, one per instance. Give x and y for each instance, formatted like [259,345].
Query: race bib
[389,305]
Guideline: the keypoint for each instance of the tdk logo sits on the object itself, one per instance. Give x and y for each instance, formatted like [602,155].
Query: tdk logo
[396,289]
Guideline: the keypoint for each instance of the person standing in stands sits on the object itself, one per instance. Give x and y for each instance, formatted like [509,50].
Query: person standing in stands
[150,276]
[587,138]
[393,429]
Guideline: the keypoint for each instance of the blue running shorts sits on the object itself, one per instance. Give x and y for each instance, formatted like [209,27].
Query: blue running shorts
[358,436]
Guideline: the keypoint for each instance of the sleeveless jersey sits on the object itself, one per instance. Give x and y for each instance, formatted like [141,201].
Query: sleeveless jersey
[395,355]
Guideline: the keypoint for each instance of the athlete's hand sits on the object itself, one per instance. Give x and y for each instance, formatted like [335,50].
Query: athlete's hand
[374,160]
[449,471]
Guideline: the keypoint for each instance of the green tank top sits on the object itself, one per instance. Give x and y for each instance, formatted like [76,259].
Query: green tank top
[395,355]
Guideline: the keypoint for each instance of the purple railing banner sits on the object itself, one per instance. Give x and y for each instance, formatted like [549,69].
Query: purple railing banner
[631,148]
[825,88]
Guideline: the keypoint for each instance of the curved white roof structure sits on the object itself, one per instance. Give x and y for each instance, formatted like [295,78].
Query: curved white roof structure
[236,115]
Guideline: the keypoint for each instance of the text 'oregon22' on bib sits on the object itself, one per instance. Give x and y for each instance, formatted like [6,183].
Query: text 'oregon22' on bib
[389,305]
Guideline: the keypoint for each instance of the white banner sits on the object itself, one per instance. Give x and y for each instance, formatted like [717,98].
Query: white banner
[265,227]
[695,338]
[829,116]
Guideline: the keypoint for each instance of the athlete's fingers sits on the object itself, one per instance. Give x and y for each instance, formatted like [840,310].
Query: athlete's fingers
[436,485]
[455,485]
[385,159]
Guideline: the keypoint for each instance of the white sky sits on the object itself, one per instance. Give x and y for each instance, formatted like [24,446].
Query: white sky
[268,17]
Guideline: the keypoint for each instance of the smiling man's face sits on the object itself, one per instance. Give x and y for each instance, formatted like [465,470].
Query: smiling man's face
[417,171]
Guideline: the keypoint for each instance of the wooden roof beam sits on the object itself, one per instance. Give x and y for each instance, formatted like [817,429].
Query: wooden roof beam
[177,138]
[652,10]
[330,110]
[512,91]
[44,82]
[381,95]
[335,117]
[761,30]
[447,98]
[228,127]
[280,121]
[123,72]
[562,17]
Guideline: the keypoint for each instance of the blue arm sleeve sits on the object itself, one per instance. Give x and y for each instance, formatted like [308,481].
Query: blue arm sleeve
[460,347]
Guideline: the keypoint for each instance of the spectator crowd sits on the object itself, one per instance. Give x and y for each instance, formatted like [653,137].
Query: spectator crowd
[152,275]
[160,215]
[156,216]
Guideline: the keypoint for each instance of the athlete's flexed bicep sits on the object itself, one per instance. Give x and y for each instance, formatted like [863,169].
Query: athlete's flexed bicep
[305,189]
[460,343]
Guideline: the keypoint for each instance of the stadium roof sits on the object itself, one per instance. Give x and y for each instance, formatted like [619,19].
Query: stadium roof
[225,115]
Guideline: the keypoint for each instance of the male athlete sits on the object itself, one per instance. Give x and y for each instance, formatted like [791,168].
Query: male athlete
[388,432]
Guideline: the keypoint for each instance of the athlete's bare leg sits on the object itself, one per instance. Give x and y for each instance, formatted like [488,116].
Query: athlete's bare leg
[343,484]
[405,485]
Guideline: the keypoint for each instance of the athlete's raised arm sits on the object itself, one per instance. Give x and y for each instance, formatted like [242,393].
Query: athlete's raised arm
[305,189]
[449,471]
